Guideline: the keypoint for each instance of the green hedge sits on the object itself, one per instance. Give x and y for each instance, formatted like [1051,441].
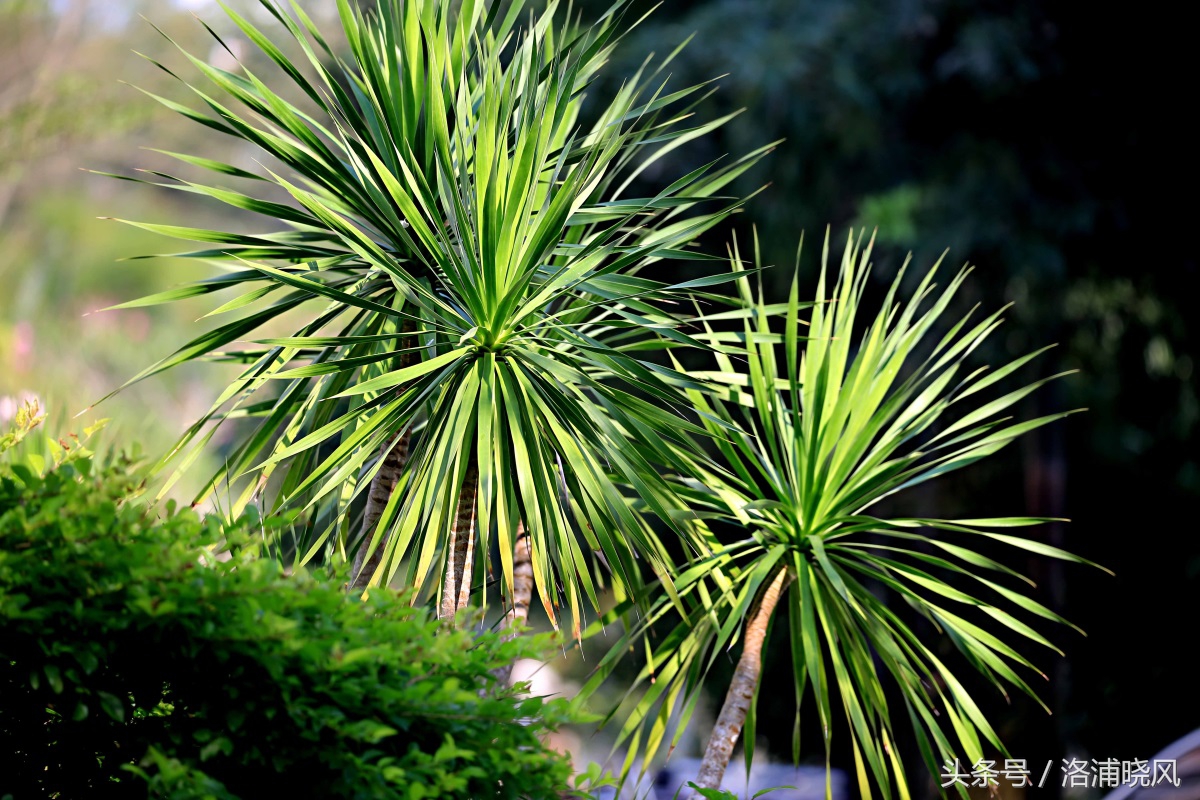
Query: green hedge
[134,661]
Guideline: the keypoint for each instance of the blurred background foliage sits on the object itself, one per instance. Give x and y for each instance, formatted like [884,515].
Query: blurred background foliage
[1039,140]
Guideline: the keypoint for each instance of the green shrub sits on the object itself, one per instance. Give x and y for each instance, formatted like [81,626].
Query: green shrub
[133,656]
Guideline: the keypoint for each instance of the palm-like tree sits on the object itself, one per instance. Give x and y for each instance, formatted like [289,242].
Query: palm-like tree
[469,273]
[809,440]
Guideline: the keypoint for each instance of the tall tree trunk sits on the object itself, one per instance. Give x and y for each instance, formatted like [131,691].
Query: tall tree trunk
[522,595]
[456,585]
[741,689]
[382,485]
[395,456]
[522,580]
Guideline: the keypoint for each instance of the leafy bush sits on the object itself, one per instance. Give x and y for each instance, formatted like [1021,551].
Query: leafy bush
[151,646]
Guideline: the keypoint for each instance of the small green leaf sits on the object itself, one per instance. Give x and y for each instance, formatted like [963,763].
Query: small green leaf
[712,794]
[54,678]
[113,706]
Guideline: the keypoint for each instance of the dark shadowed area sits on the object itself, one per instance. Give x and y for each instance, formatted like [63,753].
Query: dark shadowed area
[1041,142]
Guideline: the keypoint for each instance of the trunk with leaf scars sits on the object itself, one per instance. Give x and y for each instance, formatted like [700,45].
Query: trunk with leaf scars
[382,485]
[456,586]
[395,456]
[522,594]
[741,689]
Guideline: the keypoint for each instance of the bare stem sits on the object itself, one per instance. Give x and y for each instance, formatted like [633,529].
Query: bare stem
[741,689]
[522,595]
[382,485]
[395,456]
[456,586]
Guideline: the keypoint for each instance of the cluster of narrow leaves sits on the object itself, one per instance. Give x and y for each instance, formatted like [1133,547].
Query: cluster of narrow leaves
[808,443]
[466,270]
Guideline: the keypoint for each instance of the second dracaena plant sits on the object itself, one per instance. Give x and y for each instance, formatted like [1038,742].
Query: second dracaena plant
[821,423]
[465,264]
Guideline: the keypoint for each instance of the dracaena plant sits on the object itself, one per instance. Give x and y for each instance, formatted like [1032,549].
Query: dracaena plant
[816,420]
[471,292]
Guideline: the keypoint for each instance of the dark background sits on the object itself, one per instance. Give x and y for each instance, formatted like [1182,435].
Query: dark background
[1046,144]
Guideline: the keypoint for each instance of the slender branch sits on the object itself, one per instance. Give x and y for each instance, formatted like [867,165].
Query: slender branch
[394,456]
[466,554]
[741,689]
[522,594]
[456,586]
[522,579]
[382,485]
